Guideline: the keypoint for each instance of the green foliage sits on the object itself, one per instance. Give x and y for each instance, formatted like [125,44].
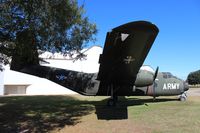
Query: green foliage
[25,52]
[194,78]
[55,25]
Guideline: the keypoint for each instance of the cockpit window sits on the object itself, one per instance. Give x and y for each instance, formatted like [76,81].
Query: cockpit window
[164,75]
[167,75]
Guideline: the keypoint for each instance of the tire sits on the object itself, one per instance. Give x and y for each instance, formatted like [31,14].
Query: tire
[182,98]
[111,103]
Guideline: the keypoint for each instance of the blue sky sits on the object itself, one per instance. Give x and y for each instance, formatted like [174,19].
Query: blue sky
[177,46]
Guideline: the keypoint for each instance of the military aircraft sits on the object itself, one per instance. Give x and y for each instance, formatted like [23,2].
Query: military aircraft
[121,72]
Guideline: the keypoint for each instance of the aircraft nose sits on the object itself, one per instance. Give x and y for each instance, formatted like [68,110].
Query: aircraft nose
[186,86]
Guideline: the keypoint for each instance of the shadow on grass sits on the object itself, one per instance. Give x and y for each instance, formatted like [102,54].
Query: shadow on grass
[40,113]
[46,113]
[120,111]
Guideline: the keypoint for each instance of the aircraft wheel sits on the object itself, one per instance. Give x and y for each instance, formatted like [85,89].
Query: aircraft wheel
[111,102]
[154,99]
[182,98]
[115,98]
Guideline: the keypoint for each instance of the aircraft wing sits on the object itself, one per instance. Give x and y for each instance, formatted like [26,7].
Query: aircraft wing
[125,50]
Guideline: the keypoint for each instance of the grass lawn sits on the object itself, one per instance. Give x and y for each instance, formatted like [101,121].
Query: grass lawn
[89,115]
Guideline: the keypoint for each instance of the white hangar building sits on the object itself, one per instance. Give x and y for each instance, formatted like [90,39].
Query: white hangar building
[16,83]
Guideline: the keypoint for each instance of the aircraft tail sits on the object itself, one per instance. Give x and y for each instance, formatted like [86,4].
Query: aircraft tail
[25,59]
[25,53]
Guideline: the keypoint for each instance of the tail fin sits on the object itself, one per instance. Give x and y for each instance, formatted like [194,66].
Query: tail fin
[25,53]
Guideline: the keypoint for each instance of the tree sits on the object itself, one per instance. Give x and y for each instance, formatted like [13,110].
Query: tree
[27,26]
[194,78]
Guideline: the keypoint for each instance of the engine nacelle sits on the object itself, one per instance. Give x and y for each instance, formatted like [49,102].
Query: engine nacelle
[145,77]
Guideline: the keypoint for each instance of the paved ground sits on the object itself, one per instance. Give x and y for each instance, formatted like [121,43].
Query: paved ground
[193,92]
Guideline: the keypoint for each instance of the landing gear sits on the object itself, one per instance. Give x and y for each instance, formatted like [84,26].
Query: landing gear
[111,102]
[114,98]
[183,97]
[154,98]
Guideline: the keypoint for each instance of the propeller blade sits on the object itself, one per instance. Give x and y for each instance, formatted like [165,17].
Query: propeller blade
[156,73]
